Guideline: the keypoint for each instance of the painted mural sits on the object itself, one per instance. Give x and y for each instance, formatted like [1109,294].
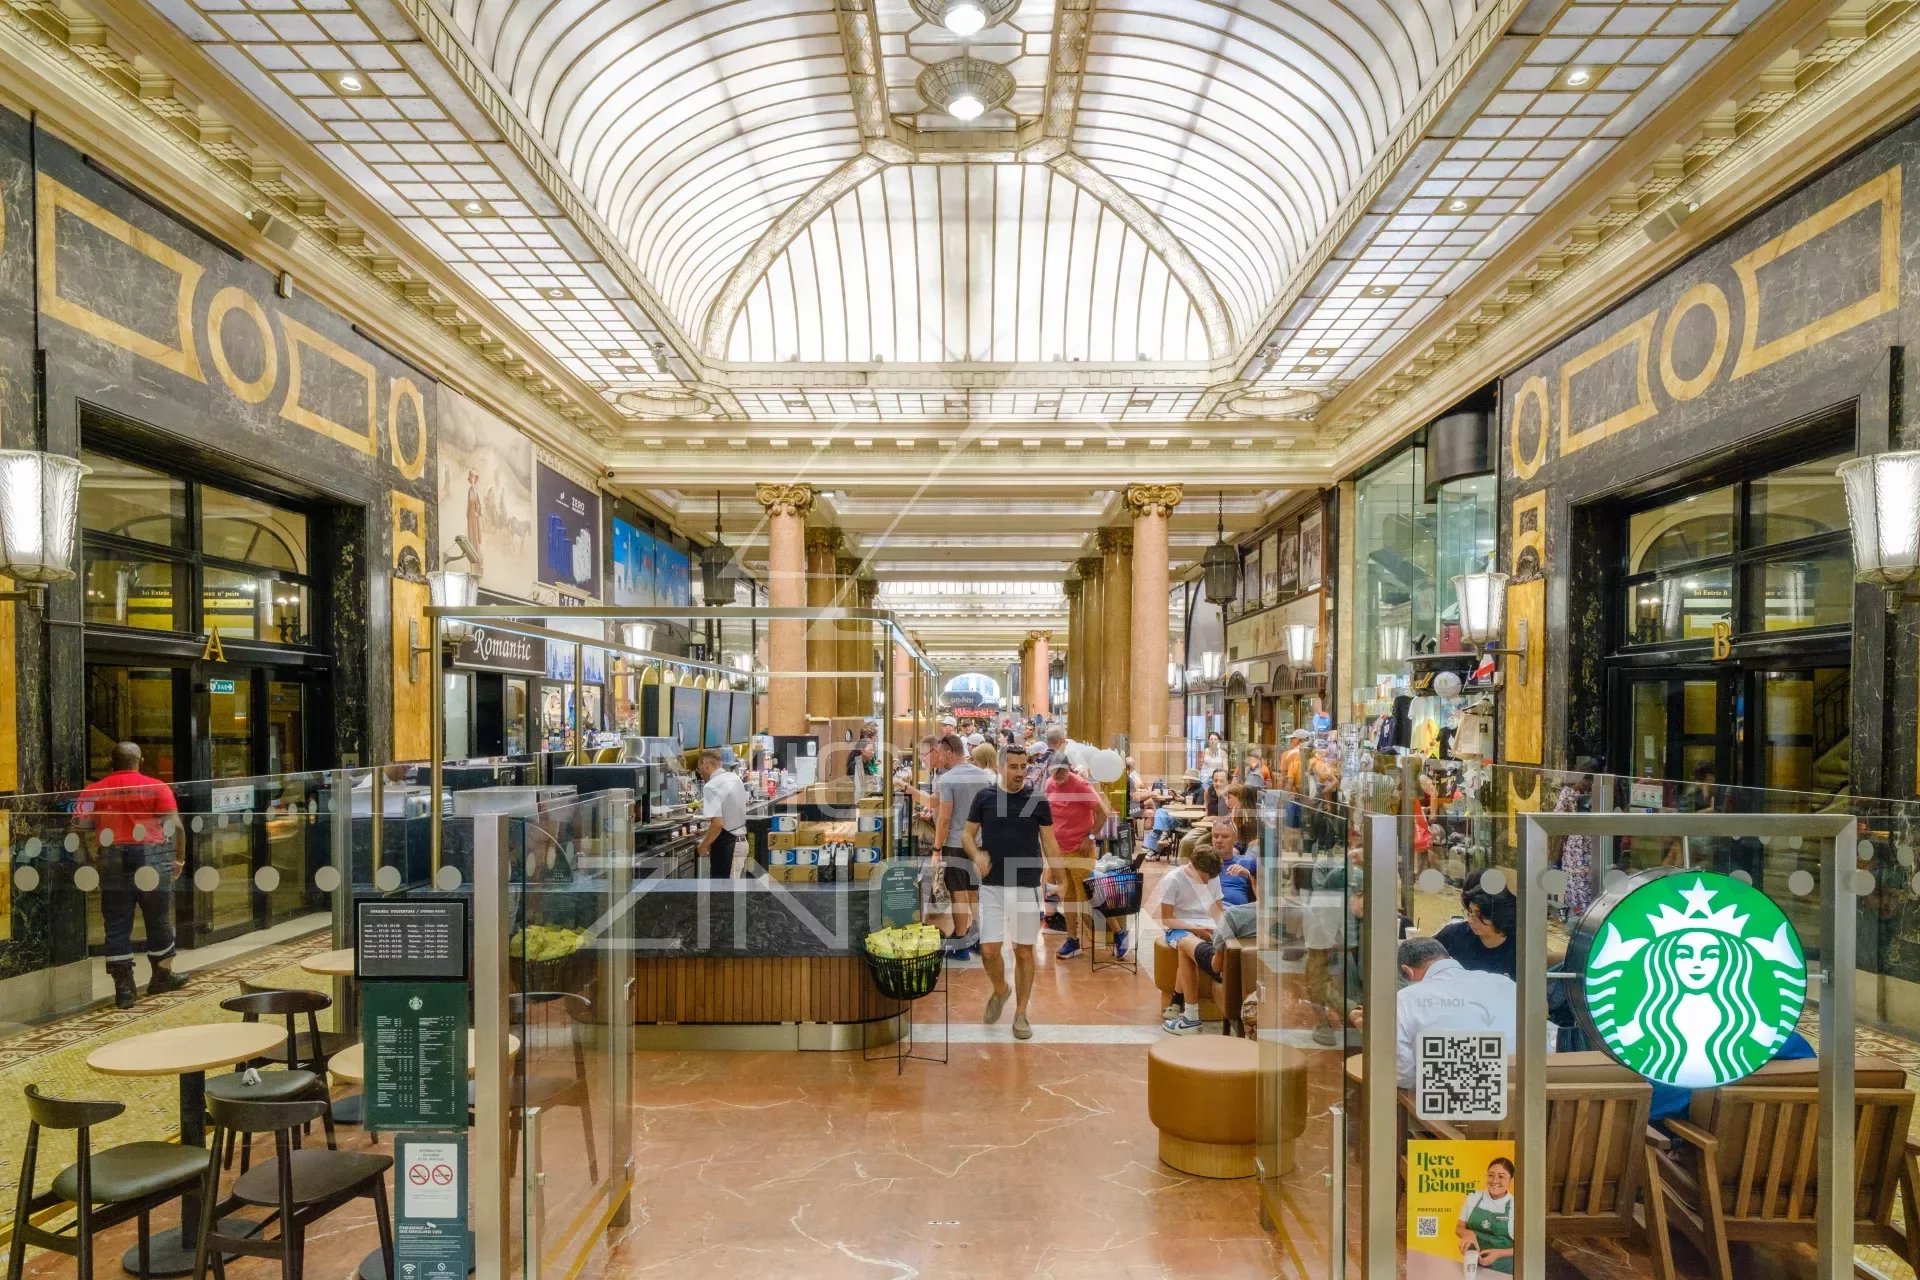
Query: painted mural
[486,492]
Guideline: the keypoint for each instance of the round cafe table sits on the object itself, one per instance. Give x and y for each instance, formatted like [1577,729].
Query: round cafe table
[1186,812]
[338,965]
[351,1065]
[189,1053]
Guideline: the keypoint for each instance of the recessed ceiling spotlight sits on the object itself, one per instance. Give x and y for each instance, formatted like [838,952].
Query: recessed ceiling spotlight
[352,82]
[555,291]
[1579,77]
[1380,291]
[1458,205]
[1323,351]
[965,88]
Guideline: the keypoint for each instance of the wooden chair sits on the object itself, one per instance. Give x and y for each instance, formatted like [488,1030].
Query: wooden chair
[544,1091]
[1742,1168]
[1599,1156]
[106,1188]
[299,1186]
[312,1047]
[302,1077]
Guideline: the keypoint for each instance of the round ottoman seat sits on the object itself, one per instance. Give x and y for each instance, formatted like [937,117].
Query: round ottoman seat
[1200,1096]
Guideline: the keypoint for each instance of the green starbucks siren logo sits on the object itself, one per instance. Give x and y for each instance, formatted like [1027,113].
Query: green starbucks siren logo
[1690,978]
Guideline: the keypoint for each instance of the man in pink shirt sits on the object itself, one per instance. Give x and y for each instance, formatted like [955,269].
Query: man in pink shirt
[1079,814]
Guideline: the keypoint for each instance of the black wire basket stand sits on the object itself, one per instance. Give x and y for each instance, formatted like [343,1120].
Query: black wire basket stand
[1115,897]
[910,979]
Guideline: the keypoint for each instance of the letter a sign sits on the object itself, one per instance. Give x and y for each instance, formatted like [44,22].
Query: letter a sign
[214,651]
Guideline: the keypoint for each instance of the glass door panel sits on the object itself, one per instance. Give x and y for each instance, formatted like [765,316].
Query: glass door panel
[225,842]
[1802,738]
[283,811]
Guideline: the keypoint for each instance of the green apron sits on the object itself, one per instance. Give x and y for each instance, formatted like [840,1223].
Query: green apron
[1493,1231]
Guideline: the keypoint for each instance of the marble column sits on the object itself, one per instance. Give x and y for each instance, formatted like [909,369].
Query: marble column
[1116,631]
[823,589]
[787,506]
[1039,662]
[1087,700]
[1076,642]
[851,697]
[1151,506]
[903,689]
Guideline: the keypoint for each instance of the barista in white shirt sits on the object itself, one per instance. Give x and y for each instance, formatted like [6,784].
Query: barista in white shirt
[1442,996]
[723,799]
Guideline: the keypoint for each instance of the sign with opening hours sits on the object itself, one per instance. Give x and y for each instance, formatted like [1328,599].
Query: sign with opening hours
[1689,978]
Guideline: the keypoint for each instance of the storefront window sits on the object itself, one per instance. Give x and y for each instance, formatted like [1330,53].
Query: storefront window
[1466,541]
[127,501]
[1394,549]
[133,593]
[233,527]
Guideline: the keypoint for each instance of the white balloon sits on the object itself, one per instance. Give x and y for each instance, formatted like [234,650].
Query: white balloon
[1447,684]
[1080,755]
[1107,766]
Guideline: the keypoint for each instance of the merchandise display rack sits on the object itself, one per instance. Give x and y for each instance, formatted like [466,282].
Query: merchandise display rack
[907,1044]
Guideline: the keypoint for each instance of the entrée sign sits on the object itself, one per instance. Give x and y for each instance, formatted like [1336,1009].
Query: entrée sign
[1688,978]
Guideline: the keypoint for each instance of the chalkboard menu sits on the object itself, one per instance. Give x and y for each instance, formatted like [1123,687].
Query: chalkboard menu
[424,940]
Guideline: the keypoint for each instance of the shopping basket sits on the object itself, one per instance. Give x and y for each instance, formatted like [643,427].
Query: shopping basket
[1115,893]
[905,978]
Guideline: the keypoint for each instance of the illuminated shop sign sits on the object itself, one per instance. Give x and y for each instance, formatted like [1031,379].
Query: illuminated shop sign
[1689,978]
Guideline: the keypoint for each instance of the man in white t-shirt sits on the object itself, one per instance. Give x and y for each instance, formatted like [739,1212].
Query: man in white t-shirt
[1442,996]
[723,799]
[1189,907]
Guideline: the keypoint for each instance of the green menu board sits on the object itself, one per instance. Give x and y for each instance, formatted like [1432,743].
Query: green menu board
[899,892]
[416,1054]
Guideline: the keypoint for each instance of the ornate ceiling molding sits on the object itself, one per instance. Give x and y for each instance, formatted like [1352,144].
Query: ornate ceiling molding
[1828,93]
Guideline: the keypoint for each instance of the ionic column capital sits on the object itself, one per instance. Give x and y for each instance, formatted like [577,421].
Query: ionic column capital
[1153,499]
[1039,637]
[784,499]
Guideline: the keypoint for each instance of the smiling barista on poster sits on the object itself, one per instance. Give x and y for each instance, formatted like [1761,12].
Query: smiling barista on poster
[723,799]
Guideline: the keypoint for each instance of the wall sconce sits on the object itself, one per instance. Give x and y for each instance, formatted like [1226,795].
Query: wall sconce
[1302,638]
[447,588]
[1483,611]
[1210,665]
[39,521]
[1883,508]
[637,635]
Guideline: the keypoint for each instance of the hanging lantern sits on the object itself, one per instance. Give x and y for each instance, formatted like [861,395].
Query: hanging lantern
[39,515]
[717,572]
[1883,507]
[1396,642]
[1221,564]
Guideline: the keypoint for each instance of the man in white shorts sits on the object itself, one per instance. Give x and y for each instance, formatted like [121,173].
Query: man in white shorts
[1009,836]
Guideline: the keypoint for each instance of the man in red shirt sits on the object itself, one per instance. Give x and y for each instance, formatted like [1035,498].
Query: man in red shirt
[131,819]
[1079,812]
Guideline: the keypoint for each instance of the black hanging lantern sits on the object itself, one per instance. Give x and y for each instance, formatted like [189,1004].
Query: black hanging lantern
[1221,564]
[716,565]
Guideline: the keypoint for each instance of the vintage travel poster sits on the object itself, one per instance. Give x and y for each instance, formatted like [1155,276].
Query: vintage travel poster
[1460,1210]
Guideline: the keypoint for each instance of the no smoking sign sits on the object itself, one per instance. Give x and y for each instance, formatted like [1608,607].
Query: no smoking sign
[432,1180]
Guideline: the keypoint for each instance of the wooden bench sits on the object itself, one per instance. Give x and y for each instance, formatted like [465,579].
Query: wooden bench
[1742,1167]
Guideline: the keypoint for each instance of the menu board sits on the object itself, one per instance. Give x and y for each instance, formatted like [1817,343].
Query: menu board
[415,1035]
[415,939]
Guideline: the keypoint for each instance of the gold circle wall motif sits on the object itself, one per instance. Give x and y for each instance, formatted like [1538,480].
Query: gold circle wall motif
[1526,466]
[234,298]
[1706,294]
[416,466]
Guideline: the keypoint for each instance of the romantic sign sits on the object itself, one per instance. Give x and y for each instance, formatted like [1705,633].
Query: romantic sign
[1689,978]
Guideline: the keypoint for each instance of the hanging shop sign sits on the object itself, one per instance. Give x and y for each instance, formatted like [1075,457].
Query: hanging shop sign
[489,649]
[1688,978]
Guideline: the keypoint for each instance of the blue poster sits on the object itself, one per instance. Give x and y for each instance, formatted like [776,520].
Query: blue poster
[568,525]
[673,577]
[633,565]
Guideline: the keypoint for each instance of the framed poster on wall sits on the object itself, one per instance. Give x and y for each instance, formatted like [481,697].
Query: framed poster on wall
[1270,567]
[1312,551]
[1289,567]
[567,531]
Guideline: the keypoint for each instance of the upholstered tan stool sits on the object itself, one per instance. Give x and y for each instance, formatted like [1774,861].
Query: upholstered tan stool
[1200,1096]
[1166,976]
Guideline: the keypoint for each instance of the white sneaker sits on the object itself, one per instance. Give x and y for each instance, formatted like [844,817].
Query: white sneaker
[1185,1025]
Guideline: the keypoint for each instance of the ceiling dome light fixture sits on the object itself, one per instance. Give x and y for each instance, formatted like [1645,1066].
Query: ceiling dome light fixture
[965,88]
[964,18]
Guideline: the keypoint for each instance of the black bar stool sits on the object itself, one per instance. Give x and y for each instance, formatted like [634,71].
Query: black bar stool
[106,1187]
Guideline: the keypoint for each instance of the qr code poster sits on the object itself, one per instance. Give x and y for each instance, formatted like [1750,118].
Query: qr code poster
[1460,1216]
[1460,1075]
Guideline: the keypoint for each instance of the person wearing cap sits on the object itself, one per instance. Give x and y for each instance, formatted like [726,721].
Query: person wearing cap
[1079,810]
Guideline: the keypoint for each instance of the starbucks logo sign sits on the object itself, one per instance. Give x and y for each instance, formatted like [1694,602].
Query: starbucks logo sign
[1690,978]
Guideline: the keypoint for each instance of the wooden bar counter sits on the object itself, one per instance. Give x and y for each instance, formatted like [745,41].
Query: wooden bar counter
[753,964]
